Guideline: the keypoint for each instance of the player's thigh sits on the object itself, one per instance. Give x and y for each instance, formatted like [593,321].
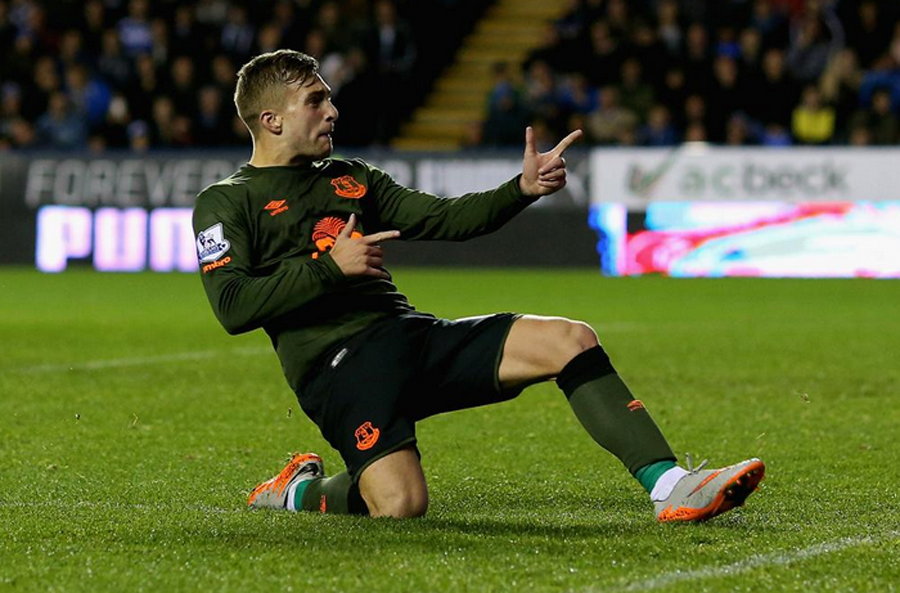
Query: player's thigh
[538,348]
[394,485]
[458,366]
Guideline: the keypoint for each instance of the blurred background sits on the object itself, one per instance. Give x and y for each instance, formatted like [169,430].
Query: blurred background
[736,137]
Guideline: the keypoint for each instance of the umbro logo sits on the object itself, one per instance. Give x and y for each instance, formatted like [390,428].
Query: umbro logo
[276,207]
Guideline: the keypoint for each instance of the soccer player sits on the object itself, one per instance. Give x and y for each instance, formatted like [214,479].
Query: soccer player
[292,242]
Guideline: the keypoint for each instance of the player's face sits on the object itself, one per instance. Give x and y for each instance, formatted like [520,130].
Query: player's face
[309,117]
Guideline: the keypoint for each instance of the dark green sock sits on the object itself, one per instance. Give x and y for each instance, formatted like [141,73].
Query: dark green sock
[607,410]
[649,474]
[338,494]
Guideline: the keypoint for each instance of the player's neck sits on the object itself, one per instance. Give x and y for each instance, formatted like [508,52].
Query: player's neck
[276,156]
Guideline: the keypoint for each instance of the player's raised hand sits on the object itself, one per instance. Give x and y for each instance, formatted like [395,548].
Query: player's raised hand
[360,255]
[544,172]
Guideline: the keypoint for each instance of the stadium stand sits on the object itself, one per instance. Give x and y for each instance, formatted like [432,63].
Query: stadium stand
[117,74]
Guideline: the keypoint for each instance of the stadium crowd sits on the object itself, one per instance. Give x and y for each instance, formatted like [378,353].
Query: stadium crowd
[101,74]
[136,74]
[736,72]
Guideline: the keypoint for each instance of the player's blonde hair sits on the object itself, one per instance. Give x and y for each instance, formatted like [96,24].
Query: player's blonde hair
[261,82]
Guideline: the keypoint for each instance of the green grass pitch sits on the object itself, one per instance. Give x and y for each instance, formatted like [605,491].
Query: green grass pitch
[132,427]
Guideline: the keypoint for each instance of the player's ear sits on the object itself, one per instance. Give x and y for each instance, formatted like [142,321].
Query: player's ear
[271,121]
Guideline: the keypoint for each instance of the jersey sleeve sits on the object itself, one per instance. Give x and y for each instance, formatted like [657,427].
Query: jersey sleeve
[421,215]
[241,298]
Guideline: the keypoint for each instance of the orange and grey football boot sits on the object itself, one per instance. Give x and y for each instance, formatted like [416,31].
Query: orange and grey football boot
[702,494]
[276,493]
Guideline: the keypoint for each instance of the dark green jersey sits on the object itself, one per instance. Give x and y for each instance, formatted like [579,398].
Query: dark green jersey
[264,236]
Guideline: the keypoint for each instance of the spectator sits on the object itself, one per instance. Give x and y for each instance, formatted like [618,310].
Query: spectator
[114,129]
[224,74]
[737,132]
[773,100]
[577,95]
[879,121]
[70,49]
[211,13]
[339,34]
[506,112]
[93,25]
[604,61]
[540,93]
[185,32]
[60,126]
[611,123]
[134,29]
[141,94]
[237,33]
[867,32]
[771,23]
[213,124]
[669,27]
[812,122]
[269,38]
[695,113]
[161,47]
[181,86]
[812,47]
[163,131]
[696,62]
[550,51]
[635,94]
[138,136]
[750,62]
[659,130]
[88,97]
[672,93]
[840,85]
[775,136]
[618,18]
[111,64]
[46,79]
[649,52]
[726,97]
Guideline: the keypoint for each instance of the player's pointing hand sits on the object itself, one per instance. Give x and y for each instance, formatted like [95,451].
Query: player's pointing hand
[544,172]
[360,255]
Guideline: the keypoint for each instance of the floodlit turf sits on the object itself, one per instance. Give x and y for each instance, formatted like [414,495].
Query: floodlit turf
[132,427]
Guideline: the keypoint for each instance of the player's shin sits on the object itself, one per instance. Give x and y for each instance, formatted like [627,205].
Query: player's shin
[338,495]
[613,417]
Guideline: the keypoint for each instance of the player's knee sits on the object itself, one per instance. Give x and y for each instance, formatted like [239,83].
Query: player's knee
[401,503]
[582,336]
[574,338]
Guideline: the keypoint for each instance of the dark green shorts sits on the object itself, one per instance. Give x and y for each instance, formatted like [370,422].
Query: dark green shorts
[367,393]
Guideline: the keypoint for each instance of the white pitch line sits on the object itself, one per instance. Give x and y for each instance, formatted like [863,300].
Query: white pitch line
[114,363]
[759,561]
[116,506]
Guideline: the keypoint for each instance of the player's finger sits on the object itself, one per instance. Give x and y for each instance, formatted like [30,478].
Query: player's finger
[530,148]
[555,177]
[554,183]
[378,273]
[375,250]
[348,229]
[566,142]
[379,237]
[556,163]
[375,261]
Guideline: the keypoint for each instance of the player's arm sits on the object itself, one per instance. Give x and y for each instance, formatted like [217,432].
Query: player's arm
[423,216]
[241,299]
